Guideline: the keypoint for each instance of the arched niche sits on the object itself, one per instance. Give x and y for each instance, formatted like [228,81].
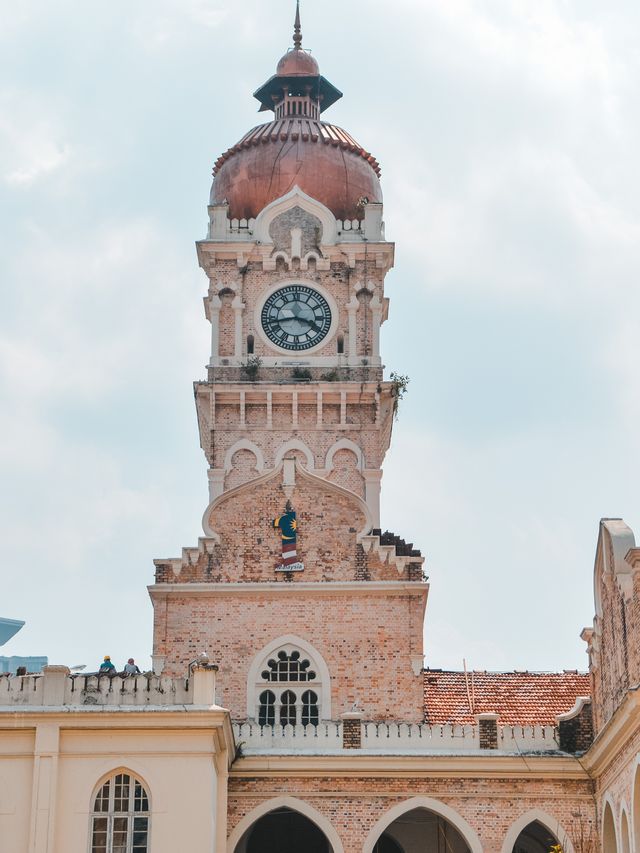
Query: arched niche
[244,444]
[295,444]
[265,821]
[609,839]
[636,809]
[344,444]
[422,824]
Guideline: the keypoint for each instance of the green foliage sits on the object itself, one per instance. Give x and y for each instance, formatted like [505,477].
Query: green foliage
[301,373]
[399,383]
[251,368]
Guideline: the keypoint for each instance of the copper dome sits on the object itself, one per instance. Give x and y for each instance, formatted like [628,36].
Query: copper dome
[297,63]
[323,160]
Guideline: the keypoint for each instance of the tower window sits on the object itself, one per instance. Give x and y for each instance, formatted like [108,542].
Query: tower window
[288,667]
[282,689]
[120,817]
[288,708]
[310,713]
[250,344]
[267,711]
[340,344]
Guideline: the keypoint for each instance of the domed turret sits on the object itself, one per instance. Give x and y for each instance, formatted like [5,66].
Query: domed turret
[297,148]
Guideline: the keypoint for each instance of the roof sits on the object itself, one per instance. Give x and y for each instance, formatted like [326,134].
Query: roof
[520,698]
[9,627]
[303,128]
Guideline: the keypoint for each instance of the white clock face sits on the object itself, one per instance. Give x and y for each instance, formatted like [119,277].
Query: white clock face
[296,317]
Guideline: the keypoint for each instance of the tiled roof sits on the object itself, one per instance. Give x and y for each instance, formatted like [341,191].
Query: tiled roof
[520,698]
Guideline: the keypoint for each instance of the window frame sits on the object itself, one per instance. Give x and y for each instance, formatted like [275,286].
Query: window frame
[138,791]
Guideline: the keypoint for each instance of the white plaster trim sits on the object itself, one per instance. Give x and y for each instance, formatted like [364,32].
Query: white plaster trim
[622,540]
[295,355]
[113,771]
[295,805]
[344,444]
[244,444]
[546,820]
[323,684]
[435,806]
[581,701]
[294,444]
[295,198]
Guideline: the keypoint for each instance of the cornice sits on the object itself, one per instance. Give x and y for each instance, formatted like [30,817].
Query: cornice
[440,766]
[162,590]
[616,733]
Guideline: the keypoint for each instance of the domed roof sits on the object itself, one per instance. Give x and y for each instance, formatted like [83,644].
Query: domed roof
[323,160]
[297,63]
[296,149]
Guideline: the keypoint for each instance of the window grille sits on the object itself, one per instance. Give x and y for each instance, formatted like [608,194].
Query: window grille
[120,818]
[310,712]
[288,668]
[288,709]
[267,712]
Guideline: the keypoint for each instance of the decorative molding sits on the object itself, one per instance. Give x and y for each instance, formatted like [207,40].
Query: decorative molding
[344,444]
[295,198]
[580,702]
[244,444]
[294,444]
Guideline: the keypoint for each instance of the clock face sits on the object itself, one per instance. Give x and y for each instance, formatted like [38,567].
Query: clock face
[296,317]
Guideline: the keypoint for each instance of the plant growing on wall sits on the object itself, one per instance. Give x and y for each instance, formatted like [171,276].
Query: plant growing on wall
[251,367]
[399,383]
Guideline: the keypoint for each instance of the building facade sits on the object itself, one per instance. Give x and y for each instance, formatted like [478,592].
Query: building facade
[289,708]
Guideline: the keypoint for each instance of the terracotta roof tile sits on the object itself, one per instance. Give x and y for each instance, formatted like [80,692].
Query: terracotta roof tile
[520,698]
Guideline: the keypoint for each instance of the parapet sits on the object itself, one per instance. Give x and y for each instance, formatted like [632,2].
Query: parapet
[57,688]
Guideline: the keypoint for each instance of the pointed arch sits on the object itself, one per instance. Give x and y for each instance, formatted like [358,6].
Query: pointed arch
[323,684]
[466,831]
[609,831]
[344,444]
[294,444]
[296,198]
[625,830]
[548,821]
[635,800]
[244,444]
[295,805]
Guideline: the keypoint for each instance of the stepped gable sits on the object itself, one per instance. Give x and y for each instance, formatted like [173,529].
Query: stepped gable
[520,698]
[403,549]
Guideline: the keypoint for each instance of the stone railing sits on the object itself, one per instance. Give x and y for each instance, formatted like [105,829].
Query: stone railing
[55,687]
[392,738]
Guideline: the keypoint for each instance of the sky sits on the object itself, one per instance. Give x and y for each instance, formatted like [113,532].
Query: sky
[508,134]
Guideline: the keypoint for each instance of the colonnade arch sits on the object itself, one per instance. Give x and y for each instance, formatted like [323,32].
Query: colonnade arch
[636,809]
[609,839]
[408,824]
[533,828]
[625,836]
[300,822]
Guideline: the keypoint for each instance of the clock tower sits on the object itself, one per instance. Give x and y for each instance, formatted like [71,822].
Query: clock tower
[295,419]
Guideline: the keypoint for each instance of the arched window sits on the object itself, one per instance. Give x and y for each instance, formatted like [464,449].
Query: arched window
[267,714]
[288,715]
[250,344]
[310,713]
[283,679]
[120,817]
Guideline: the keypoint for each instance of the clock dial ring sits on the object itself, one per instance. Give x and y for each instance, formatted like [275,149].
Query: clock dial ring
[296,317]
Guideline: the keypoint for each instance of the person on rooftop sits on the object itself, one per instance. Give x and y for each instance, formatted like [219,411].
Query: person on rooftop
[130,668]
[107,667]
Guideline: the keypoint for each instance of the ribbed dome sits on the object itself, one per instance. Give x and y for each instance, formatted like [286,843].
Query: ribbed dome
[323,160]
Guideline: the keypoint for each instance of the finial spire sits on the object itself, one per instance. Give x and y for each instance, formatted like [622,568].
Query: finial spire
[297,29]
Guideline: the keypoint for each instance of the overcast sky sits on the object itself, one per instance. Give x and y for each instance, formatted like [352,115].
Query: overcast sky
[508,134]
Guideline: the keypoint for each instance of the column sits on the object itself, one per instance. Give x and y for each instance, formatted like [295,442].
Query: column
[372,484]
[214,317]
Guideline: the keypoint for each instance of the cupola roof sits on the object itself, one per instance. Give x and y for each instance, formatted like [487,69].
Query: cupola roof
[296,148]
